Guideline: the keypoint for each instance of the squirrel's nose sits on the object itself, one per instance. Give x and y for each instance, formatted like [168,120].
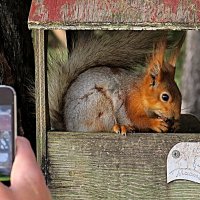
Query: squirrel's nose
[170,122]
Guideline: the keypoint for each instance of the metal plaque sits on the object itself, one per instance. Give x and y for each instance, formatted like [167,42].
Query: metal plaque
[183,162]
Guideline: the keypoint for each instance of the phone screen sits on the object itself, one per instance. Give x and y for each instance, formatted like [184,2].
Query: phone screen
[7,132]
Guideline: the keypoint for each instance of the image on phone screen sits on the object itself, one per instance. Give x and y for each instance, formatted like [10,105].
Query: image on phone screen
[6,151]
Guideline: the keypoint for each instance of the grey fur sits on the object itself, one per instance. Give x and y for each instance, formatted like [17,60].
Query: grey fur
[100,100]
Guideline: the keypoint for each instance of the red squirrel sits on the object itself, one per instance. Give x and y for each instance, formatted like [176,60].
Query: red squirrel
[103,86]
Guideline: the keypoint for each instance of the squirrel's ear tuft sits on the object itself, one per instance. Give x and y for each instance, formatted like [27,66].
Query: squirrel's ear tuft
[159,52]
[154,74]
[157,59]
[176,50]
[155,69]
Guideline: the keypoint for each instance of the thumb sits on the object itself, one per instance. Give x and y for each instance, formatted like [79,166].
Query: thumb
[27,180]
[5,192]
[25,166]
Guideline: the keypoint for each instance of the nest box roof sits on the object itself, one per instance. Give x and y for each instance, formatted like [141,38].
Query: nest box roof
[114,14]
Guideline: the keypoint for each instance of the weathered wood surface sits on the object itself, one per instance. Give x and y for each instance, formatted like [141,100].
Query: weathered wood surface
[40,96]
[109,166]
[191,74]
[115,14]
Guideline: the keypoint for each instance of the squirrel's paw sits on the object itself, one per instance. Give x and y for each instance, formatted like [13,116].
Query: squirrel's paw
[159,125]
[120,129]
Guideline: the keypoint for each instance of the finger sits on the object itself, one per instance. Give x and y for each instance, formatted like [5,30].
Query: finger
[25,164]
[26,177]
[24,150]
[5,192]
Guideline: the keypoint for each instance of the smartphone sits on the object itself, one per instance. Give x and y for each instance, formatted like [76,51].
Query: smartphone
[8,130]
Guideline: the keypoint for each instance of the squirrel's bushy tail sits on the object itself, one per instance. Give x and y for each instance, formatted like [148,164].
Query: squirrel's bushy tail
[96,48]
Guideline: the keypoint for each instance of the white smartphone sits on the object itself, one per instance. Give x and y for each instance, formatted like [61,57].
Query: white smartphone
[8,130]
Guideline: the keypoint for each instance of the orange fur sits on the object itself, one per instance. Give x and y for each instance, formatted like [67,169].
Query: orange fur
[145,106]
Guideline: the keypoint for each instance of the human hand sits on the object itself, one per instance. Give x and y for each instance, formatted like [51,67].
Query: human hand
[27,181]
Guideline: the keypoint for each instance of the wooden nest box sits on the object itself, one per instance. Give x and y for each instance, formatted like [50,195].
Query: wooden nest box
[102,165]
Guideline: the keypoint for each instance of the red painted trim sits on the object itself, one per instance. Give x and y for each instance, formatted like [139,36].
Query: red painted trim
[59,11]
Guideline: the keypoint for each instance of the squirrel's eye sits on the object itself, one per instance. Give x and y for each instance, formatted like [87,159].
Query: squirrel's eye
[165,97]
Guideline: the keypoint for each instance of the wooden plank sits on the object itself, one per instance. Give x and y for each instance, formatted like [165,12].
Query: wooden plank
[41,97]
[109,166]
[115,14]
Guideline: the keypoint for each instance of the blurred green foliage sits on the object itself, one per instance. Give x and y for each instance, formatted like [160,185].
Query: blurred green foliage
[179,65]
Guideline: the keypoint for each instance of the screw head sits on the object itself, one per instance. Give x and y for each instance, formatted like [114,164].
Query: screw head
[175,154]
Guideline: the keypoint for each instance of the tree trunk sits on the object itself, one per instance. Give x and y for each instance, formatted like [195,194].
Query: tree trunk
[191,75]
[17,60]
